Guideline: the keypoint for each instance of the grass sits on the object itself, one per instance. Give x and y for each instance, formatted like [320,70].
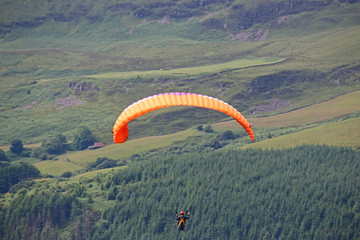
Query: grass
[39,63]
[127,149]
[321,112]
[92,174]
[342,105]
[342,134]
[34,145]
[324,111]
[125,68]
[192,71]
[33,105]
[73,161]
[339,106]
[56,168]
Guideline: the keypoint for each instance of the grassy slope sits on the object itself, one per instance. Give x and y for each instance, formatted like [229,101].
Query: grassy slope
[192,71]
[37,65]
[28,110]
[339,106]
[96,107]
[73,161]
[340,133]
[320,51]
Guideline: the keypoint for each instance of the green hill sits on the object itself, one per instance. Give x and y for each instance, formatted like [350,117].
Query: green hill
[342,133]
[57,60]
[293,193]
[290,66]
[322,123]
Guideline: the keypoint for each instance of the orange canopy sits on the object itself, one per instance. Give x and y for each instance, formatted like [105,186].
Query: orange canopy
[163,100]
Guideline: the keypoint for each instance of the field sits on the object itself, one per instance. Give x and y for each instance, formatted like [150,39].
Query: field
[36,83]
[57,76]
[324,111]
[56,167]
[193,71]
[73,161]
[343,133]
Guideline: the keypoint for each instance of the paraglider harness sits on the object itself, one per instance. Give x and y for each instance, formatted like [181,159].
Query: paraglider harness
[181,219]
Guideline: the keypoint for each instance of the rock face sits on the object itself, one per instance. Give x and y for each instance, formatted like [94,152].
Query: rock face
[82,86]
[257,36]
[273,105]
[66,102]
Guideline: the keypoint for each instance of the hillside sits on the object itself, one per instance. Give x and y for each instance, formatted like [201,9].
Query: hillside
[327,134]
[317,124]
[293,193]
[56,60]
[69,68]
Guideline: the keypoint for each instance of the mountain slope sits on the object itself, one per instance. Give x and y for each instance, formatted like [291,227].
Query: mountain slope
[51,55]
[65,64]
[288,194]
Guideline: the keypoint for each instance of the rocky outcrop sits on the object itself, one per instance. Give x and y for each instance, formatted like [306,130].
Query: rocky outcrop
[257,36]
[239,15]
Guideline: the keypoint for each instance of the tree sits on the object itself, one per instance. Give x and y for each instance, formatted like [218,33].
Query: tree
[67,174]
[83,138]
[39,153]
[227,135]
[13,174]
[61,138]
[3,156]
[55,145]
[16,146]
[112,194]
[208,128]
[213,144]
[103,162]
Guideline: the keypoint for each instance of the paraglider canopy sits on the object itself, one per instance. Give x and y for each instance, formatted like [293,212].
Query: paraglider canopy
[145,105]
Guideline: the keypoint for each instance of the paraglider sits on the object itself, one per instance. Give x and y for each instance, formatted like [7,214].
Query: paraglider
[145,105]
[181,219]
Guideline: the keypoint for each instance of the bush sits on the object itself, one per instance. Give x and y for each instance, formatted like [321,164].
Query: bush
[208,129]
[102,163]
[13,174]
[26,152]
[227,135]
[39,153]
[21,185]
[67,174]
[16,146]
[112,194]
[215,144]
[83,138]
[3,157]
[55,145]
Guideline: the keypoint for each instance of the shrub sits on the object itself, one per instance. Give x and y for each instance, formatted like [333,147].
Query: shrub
[83,138]
[67,174]
[16,146]
[39,153]
[227,135]
[208,128]
[3,156]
